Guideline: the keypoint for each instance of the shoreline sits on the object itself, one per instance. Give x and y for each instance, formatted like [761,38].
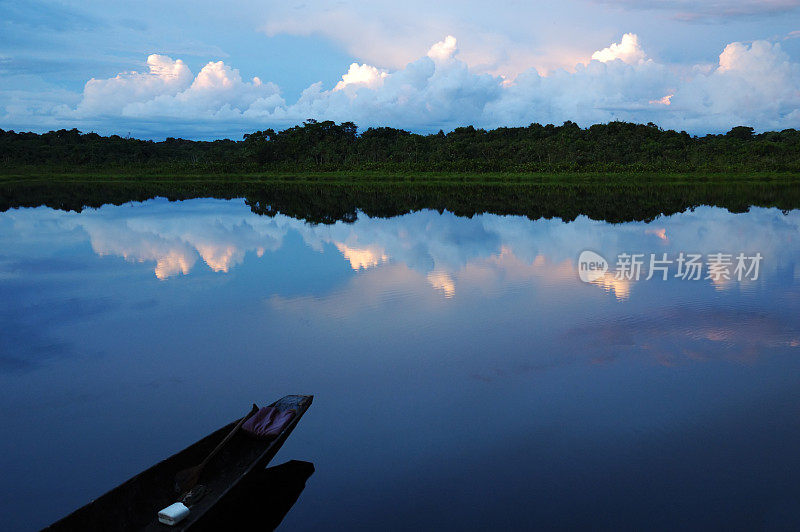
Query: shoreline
[125,175]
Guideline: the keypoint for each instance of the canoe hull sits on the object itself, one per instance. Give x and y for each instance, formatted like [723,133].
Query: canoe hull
[134,504]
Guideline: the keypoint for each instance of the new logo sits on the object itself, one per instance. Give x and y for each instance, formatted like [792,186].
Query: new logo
[591,266]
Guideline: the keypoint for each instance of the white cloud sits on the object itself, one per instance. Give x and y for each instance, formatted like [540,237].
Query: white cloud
[361,75]
[594,93]
[107,96]
[427,93]
[759,58]
[627,51]
[755,84]
[752,85]
[295,43]
[444,50]
[170,89]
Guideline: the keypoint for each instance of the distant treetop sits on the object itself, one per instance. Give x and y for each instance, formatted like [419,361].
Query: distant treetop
[326,145]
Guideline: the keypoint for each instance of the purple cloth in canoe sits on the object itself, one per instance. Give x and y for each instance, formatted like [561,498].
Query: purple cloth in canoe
[268,422]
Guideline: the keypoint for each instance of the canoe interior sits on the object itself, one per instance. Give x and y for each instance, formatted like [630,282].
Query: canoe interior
[134,504]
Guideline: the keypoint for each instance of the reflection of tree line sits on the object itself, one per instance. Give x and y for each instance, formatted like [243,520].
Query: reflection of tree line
[328,203]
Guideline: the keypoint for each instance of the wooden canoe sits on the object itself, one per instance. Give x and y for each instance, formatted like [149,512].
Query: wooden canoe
[134,504]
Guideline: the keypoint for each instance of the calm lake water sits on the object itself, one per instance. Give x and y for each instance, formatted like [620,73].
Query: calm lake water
[464,376]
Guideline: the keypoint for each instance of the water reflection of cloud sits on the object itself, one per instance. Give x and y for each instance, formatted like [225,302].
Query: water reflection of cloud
[668,337]
[679,334]
[361,258]
[440,263]
[442,247]
[362,296]
[658,232]
[172,256]
[442,281]
[621,288]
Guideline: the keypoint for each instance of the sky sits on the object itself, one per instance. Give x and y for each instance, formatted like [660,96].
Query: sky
[208,70]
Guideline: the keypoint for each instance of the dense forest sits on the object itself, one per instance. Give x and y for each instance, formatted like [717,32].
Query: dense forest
[326,146]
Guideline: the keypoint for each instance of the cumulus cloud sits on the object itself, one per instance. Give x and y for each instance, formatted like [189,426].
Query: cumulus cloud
[361,75]
[594,93]
[627,51]
[108,96]
[750,84]
[296,44]
[170,89]
[443,50]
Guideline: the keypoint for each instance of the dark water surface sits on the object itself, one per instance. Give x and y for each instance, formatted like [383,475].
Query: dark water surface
[464,377]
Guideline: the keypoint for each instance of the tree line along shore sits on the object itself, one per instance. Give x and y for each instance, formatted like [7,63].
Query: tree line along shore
[321,148]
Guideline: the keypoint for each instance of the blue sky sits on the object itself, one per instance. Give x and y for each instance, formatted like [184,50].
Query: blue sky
[207,70]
